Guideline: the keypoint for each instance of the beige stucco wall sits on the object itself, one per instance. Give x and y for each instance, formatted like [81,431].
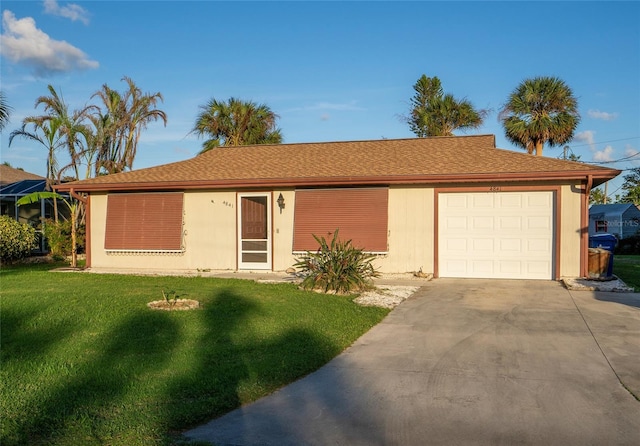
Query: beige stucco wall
[411,230]
[209,236]
[282,230]
[210,233]
[570,230]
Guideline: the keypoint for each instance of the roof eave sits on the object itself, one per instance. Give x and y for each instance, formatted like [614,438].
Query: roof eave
[598,177]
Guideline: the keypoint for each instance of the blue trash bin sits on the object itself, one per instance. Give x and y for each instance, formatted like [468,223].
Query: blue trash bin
[605,241]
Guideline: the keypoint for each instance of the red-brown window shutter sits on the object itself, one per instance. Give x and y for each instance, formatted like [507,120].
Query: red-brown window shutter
[361,215]
[144,222]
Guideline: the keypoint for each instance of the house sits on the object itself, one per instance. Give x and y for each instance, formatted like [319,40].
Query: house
[453,206]
[620,219]
[15,184]
[9,175]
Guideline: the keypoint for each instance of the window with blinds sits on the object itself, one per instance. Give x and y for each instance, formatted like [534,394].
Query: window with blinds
[360,214]
[144,222]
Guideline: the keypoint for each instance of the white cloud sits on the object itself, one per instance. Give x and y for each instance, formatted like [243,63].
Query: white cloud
[603,155]
[22,42]
[630,151]
[586,137]
[71,11]
[597,114]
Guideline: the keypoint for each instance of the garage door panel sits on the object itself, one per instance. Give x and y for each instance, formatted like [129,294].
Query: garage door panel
[481,268]
[510,246]
[513,268]
[457,244]
[540,246]
[543,222]
[456,266]
[481,223]
[480,244]
[537,267]
[510,222]
[509,201]
[482,201]
[539,200]
[456,223]
[496,235]
[459,201]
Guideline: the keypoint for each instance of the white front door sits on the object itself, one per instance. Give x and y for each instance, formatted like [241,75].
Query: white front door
[507,235]
[254,231]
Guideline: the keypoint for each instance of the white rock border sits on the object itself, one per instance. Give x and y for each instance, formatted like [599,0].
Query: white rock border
[386,296]
[178,305]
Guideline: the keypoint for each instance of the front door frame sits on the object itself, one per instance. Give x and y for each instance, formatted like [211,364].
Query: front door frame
[268,263]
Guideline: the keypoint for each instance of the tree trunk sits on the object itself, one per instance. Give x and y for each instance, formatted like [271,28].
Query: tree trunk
[539,145]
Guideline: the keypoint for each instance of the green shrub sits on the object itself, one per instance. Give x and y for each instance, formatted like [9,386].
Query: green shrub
[16,239]
[629,245]
[58,237]
[337,267]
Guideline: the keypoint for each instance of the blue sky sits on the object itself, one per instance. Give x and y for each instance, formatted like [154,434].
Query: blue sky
[332,71]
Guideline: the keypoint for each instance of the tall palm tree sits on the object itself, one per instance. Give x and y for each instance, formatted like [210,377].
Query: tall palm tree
[119,124]
[141,111]
[434,113]
[48,133]
[69,125]
[541,110]
[5,111]
[236,123]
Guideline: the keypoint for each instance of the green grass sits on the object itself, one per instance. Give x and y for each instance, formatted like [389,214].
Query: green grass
[627,268]
[84,361]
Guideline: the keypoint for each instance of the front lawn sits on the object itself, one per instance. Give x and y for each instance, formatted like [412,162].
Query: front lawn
[627,268]
[84,361]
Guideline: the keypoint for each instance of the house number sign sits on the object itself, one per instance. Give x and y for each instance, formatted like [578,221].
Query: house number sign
[494,188]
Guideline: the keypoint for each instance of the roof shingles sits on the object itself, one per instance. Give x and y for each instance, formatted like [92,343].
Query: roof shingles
[416,160]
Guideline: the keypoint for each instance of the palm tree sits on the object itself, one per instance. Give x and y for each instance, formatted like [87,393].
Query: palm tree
[48,133]
[5,111]
[142,110]
[434,113]
[540,111]
[70,124]
[120,124]
[236,123]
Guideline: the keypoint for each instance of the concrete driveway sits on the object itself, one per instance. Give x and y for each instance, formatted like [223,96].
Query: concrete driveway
[475,362]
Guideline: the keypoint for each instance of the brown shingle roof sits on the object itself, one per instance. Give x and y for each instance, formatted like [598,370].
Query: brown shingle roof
[10,175]
[399,161]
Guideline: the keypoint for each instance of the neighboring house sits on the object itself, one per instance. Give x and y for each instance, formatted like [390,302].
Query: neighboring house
[620,219]
[16,184]
[453,206]
[10,175]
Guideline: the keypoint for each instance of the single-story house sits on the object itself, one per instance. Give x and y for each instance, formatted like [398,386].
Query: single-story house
[619,219]
[9,175]
[452,206]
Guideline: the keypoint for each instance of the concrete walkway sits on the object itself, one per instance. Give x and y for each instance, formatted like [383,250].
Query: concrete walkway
[467,362]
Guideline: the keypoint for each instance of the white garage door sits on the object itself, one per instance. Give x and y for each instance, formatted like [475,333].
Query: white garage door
[507,235]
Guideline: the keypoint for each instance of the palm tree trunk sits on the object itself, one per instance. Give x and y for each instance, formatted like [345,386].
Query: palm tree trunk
[539,146]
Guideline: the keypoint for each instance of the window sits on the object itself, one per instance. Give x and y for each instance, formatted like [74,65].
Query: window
[360,214]
[601,226]
[144,222]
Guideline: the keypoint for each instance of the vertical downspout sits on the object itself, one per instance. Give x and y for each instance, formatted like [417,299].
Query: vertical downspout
[584,233]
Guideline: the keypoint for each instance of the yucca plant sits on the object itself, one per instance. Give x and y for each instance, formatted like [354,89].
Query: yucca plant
[337,267]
